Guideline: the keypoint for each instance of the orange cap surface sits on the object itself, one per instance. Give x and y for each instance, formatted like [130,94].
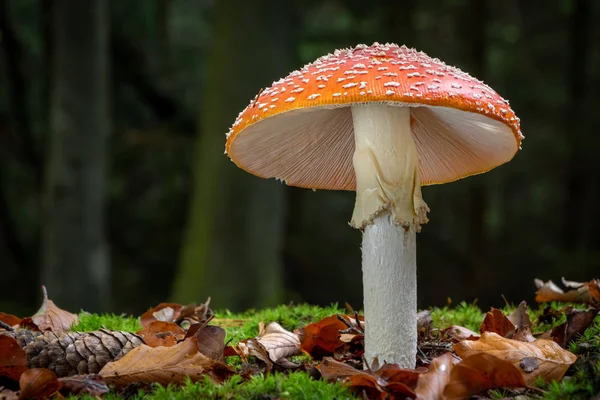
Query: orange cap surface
[300,130]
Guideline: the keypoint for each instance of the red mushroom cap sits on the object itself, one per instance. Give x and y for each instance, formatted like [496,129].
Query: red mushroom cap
[300,129]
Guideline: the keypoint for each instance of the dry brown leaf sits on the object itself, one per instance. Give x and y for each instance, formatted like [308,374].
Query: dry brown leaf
[167,312]
[92,385]
[13,360]
[495,321]
[553,360]
[523,334]
[161,333]
[6,394]
[520,317]
[38,383]
[9,319]
[458,333]
[581,292]
[183,316]
[272,345]
[51,318]
[577,323]
[480,372]
[320,339]
[211,342]
[278,342]
[389,381]
[431,384]
[163,365]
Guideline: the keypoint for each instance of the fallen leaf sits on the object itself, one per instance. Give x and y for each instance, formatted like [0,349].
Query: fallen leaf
[192,314]
[553,360]
[38,383]
[375,385]
[167,312]
[7,394]
[51,318]
[523,334]
[278,342]
[9,319]
[458,333]
[164,365]
[320,339]
[211,342]
[581,292]
[351,351]
[92,384]
[520,317]
[577,323]
[273,344]
[479,372]
[431,384]
[161,333]
[183,316]
[495,321]
[13,360]
[397,378]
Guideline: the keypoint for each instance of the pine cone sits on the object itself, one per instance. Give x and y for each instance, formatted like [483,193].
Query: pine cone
[22,336]
[72,353]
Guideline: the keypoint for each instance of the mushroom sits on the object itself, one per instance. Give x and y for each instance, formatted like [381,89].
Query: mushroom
[381,120]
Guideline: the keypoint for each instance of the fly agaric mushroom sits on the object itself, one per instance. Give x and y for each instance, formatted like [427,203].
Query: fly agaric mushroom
[382,120]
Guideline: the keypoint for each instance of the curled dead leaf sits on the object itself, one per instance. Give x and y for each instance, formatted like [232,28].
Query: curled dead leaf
[457,333]
[479,372]
[13,360]
[38,383]
[52,318]
[388,381]
[520,317]
[577,323]
[581,292]
[211,342]
[92,385]
[183,316]
[7,394]
[553,360]
[166,312]
[320,339]
[272,345]
[161,333]
[9,319]
[495,321]
[431,384]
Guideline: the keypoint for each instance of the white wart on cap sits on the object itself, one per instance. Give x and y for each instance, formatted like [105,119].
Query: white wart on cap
[300,129]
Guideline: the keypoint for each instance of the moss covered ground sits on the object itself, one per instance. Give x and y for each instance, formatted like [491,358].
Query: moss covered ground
[582,382]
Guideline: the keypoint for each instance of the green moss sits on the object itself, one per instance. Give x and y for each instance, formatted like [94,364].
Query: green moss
[583,380]
[296,385]
[467,315]
[288,316]
[92,322]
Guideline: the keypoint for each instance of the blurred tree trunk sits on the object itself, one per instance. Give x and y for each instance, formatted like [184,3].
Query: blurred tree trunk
[574,229]
[232,249]
[75,258]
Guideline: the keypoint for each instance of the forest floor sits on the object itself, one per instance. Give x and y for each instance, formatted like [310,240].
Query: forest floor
[550,351]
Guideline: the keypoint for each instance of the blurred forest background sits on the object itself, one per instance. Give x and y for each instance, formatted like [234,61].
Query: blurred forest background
[115,193]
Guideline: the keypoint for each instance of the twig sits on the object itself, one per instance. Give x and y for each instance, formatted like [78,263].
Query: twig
[351,327]
[6,326]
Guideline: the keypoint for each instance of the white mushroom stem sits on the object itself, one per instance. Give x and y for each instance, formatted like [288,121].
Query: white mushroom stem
[390,293]
[390,209]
